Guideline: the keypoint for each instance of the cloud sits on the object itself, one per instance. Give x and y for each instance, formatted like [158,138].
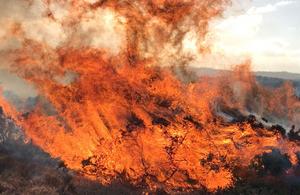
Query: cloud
[283,3]
[243,26]
[240,37]
[269,8]
[248,24]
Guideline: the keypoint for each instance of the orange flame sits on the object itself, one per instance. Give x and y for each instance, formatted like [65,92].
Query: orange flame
[125,117]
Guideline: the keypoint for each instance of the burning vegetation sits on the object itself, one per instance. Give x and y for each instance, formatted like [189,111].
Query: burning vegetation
[132,112]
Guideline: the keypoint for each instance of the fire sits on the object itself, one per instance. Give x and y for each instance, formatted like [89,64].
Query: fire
[124,117]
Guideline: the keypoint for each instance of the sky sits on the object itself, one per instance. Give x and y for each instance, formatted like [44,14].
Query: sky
[267,32]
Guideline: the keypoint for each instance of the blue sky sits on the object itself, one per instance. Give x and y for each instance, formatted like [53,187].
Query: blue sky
[265,31]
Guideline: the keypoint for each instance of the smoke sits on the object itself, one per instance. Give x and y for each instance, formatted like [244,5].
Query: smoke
[155,28]
[110,104]
[163,33]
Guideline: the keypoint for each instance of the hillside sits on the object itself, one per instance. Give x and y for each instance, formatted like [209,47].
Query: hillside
[269,79]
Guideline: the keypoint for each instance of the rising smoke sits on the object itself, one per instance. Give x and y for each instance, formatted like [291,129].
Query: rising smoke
[116,100]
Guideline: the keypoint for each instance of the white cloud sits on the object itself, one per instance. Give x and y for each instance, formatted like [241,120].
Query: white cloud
[269,8]
[283,3]
[239,37]
[243,26]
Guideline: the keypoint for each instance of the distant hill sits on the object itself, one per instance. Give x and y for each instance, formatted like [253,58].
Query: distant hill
[278,75]
[270,79]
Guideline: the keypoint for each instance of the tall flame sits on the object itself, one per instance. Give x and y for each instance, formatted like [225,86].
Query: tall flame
[127,115]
